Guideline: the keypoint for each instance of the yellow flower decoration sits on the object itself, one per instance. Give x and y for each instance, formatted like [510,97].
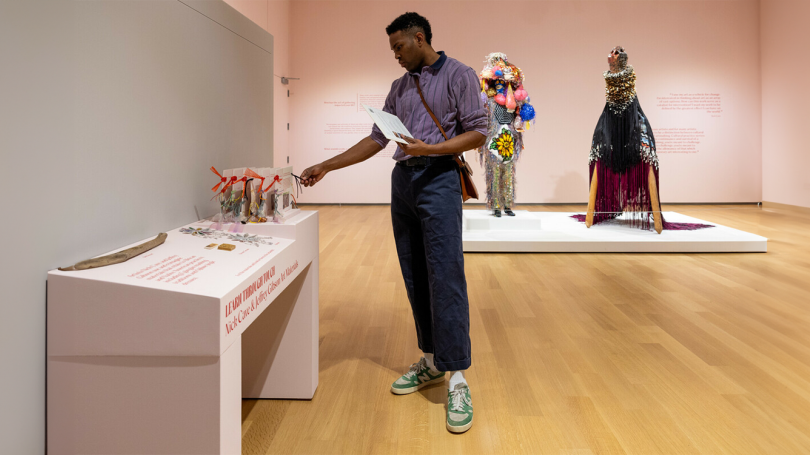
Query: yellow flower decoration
[504,145]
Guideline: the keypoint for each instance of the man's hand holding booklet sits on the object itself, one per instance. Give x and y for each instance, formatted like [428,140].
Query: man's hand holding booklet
[390,125]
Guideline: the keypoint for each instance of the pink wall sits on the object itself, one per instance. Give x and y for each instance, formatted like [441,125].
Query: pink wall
[785,100]
[341,52]
[274,16]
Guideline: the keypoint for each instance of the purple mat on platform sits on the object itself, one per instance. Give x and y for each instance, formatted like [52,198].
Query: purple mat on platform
[667,225]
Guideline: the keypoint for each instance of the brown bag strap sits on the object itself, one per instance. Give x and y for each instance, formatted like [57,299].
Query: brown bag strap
[459,157]
[468,189]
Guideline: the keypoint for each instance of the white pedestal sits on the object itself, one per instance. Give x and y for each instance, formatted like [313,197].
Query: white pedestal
[154,355]
[485,221]
[563,234]
[286,217]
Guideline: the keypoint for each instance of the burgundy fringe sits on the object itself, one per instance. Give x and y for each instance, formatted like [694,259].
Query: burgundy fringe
[685,226]
[628,191]
[667,225]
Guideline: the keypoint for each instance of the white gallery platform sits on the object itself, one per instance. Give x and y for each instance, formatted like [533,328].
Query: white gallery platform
[557,232]
[154,355]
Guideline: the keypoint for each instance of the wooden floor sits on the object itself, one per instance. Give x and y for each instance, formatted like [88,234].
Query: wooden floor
[572,353]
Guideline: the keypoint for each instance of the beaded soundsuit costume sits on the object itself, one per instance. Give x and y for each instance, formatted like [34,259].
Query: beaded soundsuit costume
[509,114]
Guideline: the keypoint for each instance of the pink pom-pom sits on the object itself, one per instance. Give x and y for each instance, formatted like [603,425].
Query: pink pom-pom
[521,94]
[510,101]
[500,98]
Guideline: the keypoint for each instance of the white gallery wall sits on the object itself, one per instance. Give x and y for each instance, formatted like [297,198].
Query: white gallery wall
[112,113]
[785,102]
[274,17]
[698,81]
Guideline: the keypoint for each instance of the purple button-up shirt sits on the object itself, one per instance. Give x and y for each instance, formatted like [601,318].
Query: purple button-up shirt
[451,89]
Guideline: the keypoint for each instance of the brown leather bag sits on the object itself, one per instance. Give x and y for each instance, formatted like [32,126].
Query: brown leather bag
[468,190]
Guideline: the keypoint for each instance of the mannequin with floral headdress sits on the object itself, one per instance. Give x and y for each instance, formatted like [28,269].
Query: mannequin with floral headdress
[509,114]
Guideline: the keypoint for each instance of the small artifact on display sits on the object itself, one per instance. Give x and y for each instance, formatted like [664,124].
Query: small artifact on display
[254,195]
[255,182]
[238,195]
[509,115]
[284,202]
[119,257]
[222,192]
[623,165]
[200,232]
[208,233]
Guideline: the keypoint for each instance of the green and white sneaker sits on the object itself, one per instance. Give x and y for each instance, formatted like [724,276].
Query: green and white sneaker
[459,409]
[418,376]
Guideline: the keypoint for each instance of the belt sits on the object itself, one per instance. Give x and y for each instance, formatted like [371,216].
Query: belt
[424,161]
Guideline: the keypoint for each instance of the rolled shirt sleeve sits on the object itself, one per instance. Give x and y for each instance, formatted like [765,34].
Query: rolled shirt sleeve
[471,112]
[389,107]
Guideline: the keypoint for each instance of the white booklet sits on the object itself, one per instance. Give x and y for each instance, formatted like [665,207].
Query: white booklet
[388,124]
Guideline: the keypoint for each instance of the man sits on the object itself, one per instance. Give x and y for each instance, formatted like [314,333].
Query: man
[426,204]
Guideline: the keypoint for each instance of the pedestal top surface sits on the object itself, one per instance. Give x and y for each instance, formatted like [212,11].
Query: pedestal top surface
[190,261]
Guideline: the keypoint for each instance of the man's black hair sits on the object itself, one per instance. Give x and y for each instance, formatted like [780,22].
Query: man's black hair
[410,22]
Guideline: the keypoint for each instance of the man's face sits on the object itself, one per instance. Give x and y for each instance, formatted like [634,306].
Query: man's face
[407,49]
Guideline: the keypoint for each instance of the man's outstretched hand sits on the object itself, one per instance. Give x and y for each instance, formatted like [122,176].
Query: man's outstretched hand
[313,174]
[361,151]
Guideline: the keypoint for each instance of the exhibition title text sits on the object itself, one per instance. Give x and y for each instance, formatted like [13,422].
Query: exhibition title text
[250,299]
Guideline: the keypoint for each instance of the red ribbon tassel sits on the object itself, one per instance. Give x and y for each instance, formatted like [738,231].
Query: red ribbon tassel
[275,179]
[225,187]
[252,174]
[222,181]
[235,180]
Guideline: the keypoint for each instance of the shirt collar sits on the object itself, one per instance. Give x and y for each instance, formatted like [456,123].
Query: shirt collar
[436,66]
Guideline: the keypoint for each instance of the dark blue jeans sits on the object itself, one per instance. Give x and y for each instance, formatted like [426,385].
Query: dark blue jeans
[426,214]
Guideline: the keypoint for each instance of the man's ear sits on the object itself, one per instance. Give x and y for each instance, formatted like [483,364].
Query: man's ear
[419,37]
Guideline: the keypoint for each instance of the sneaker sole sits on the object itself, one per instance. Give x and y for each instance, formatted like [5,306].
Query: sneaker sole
[396,391]
[461,429]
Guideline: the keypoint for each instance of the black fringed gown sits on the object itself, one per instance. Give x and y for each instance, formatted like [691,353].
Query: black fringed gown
[624,149]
